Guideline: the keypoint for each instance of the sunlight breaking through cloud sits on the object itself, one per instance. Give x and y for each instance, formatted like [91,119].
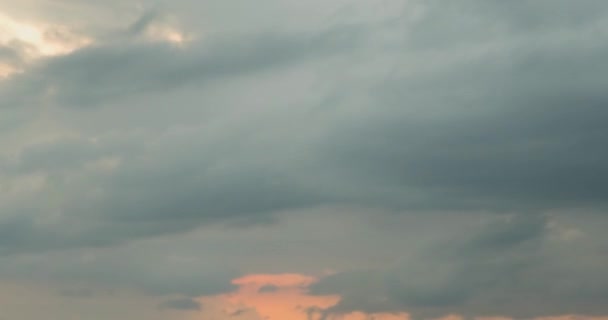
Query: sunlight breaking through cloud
[29,41]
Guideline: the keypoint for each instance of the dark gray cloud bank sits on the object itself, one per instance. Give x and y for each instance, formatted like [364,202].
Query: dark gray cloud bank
[509,266]
[443,112]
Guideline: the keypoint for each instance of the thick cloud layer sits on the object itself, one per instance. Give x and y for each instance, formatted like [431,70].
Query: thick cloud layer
[509,266]
[135,123]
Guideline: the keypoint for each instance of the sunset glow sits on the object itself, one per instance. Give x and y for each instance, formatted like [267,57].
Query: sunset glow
[285,297]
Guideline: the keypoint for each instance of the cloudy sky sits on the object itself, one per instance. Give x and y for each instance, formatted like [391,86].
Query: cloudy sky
[303,160]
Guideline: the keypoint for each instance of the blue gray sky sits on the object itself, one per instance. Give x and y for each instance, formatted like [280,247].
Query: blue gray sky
[415,159]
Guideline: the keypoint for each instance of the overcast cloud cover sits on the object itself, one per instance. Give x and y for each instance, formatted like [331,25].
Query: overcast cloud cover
[421,157]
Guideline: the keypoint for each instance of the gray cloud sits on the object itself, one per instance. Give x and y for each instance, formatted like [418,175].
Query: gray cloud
[181,304]
[9,55]
[106,72]
[489,151]
[176,192]
[267,289]
[499,267]
[518,127]
[432,111]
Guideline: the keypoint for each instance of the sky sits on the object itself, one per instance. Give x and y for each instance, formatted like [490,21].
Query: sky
[303,160]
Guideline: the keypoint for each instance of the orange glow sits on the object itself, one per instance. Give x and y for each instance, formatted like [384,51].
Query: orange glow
[452,317]
[286,297]
[573,317]
[281,297]
[284,280]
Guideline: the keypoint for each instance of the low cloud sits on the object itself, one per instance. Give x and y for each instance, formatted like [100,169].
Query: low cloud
[181,304]
[498,267]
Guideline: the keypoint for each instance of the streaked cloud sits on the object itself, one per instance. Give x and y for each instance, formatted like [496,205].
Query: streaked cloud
[288,159]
